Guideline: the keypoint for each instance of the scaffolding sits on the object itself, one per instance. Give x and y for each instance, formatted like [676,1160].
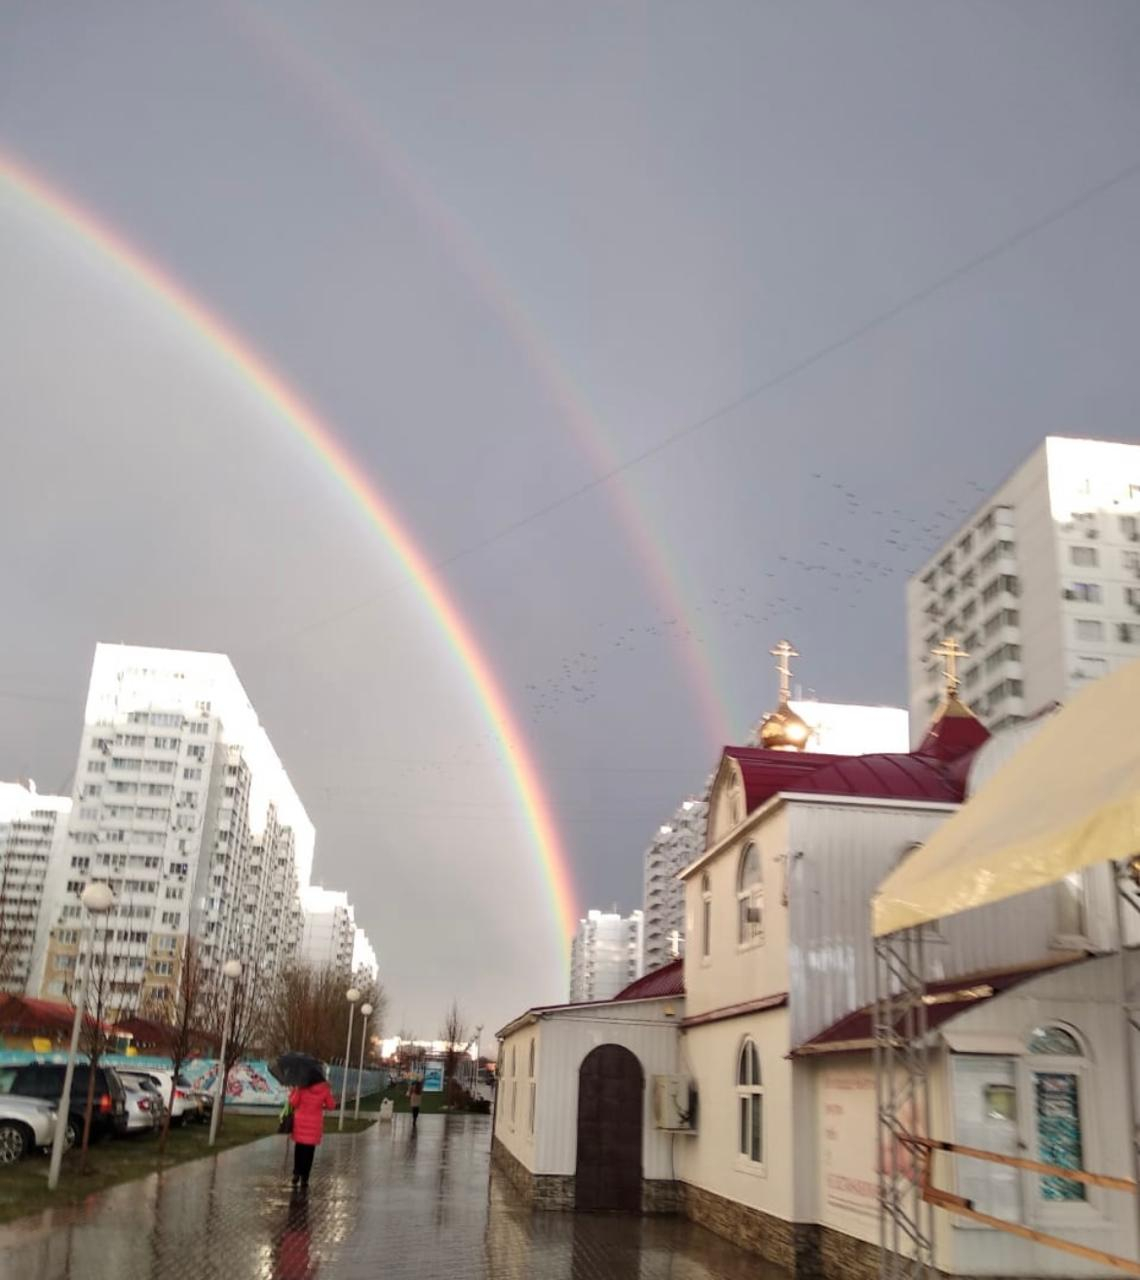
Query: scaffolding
[906,1149]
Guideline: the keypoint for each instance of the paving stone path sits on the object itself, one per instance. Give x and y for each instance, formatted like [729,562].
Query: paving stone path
[381,1204]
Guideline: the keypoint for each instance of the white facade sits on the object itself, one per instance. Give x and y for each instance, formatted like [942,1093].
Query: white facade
[606,954]
[183,807]
[364,957]
[838,728]
[1041,585]
[32,831]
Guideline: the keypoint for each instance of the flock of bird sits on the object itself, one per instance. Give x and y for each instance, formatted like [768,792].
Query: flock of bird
[875,543]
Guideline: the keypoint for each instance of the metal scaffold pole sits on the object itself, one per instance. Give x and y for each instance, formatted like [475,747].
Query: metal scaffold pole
[902,1094]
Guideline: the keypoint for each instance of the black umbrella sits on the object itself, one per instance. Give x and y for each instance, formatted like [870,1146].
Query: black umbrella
[297,1070]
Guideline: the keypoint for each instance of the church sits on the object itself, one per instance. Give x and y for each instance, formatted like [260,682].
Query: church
[736,1086]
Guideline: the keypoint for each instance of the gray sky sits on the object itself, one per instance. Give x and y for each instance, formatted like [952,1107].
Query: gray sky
[501,248]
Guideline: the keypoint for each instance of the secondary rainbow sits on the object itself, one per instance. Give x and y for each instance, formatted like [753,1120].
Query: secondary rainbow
[290,407]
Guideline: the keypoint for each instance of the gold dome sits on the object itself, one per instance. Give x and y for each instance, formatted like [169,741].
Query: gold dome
[784,730]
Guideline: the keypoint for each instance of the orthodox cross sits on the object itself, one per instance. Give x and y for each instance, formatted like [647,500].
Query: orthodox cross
[783,652]
[951,650]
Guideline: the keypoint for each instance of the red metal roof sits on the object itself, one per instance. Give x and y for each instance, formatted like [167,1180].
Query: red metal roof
[669,980]
[945,1000]
[23,1014]
[936,771]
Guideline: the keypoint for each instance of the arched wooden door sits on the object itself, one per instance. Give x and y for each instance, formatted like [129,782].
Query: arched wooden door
[610,1107]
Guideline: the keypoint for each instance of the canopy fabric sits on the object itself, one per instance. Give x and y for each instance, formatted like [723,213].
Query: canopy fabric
[1069,798]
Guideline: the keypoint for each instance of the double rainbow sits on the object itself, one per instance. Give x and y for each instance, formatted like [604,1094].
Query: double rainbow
[290,408]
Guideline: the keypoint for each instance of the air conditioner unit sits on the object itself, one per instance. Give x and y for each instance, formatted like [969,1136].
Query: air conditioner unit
[674,1103]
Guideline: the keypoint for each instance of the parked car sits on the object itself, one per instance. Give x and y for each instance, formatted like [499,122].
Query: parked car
[144,1106]
[44,1080]
[25,1124]
[186,1105]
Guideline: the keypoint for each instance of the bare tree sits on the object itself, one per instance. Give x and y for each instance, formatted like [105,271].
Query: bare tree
[309,1013]
[180,1010]
[247,1020]
[107,990]
[454,1037]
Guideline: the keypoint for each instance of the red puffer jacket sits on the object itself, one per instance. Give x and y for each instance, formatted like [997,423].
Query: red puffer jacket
[309,1105]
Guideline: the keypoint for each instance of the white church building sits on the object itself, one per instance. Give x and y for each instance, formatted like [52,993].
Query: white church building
[736,1086]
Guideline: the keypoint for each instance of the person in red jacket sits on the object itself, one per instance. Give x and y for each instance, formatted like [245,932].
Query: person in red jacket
[309,1105]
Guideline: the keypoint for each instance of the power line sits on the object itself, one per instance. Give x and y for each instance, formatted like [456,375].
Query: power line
[852,336]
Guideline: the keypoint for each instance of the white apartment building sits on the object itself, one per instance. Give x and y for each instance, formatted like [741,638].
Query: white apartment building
[183,807]
[32,829]
[606,954]
[675,844]
[328,930]
[1041,586]
[364,965]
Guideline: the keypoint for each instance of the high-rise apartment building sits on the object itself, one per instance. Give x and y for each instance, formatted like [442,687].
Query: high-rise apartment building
[1041,586]
[32,828]
[605,955]
[677,843]
[328,930]
[183,807]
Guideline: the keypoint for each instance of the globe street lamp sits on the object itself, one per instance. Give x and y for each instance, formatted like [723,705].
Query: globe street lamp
[365,1011]
[352,996]
[231,971]
[97,900]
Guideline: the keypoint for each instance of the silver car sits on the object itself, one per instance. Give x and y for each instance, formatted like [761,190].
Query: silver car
[25,1124]
[144,1106]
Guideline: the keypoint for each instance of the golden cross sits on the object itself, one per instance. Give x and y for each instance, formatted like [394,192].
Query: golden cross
[951,650]
[783,651]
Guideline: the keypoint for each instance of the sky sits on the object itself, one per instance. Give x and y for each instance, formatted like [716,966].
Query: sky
[667,330]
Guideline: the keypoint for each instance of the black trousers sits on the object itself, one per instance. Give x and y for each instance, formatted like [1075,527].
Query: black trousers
[303,1153]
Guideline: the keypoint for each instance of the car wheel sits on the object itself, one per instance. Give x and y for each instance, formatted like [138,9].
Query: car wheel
[14,1142]
[71,1133]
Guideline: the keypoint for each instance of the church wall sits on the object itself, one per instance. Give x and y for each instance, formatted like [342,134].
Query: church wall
[731,973]
[648,1034]
[512,1101]
[841,853]
[711,1160]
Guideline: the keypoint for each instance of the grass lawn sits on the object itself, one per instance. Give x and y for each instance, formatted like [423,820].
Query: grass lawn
[432,1102]
[23,1186]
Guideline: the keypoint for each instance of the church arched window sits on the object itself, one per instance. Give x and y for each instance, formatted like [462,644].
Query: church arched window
[749,898]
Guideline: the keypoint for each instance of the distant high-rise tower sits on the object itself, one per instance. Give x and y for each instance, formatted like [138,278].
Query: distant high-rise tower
[605,955]
[182,806]
[676,843]
[1040,586]
[32,830]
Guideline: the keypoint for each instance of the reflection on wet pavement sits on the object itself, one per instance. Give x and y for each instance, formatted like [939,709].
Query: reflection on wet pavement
[381,1203]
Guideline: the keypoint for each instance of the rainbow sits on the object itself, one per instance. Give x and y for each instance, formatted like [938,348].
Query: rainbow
[271,36]
[287,405]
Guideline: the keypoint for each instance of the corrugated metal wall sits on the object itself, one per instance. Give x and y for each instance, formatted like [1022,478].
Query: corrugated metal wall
[837,856]
[565,1042]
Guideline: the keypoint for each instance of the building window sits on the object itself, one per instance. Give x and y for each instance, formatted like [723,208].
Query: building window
[1084,556]
[1090,629]
[531,1090]
[706,915]
[1069,897]
[750,1102]
[1057,1109]
[514,1083]
[1089,592]
[749,898]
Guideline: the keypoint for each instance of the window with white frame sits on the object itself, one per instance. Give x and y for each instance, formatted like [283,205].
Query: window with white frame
[750,1103]
[514,1083]
[531,1090]
[1056,1065]
[706,915]
[1070,913]
[749,898]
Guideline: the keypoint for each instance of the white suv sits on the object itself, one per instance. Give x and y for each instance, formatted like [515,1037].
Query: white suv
[184,1104]
[25,1123]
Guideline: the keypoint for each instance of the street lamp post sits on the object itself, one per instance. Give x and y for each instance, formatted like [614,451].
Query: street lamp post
[231,971]
[352,996]
[365,1011]
[97,900]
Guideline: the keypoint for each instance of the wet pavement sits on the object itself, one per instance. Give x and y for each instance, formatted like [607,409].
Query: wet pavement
[382,1204]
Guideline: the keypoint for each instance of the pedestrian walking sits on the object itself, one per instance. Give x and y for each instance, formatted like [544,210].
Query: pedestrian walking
[309,1104]
[416,1098]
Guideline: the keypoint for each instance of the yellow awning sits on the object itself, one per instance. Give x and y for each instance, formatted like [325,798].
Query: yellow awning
[1069,798]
